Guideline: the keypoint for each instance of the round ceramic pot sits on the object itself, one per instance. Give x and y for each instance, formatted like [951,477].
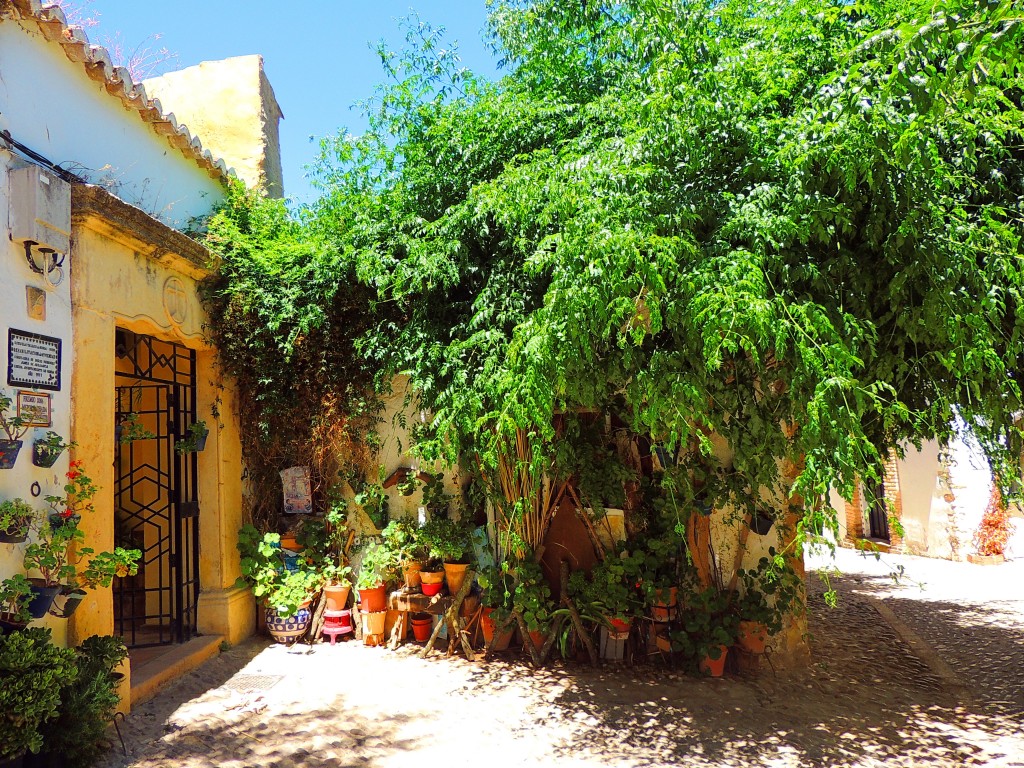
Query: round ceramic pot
[288,629]
[373,600]
[489,627]
[537,637]
[13,536]
[422,624]
[752,636]
[43,597]
[431,582]
[620,627]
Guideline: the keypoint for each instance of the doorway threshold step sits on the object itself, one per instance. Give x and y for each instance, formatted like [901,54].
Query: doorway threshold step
[149,677]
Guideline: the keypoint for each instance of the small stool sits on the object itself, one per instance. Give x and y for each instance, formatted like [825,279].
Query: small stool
[337,623]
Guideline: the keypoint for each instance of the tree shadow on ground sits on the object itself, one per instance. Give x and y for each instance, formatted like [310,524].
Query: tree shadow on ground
[864,700]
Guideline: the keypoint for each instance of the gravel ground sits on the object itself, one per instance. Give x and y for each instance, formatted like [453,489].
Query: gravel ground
[868,698]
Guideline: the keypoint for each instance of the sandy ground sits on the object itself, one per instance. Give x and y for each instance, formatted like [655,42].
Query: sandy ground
[900,676]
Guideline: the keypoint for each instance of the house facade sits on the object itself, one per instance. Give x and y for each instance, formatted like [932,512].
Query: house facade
[102,325]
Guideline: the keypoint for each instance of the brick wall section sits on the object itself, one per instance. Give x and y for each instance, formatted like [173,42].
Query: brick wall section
[855,516]
[894,503]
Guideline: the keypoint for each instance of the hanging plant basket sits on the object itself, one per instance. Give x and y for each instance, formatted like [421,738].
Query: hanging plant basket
[14,535]
[45,456]
[67,602]
[9,450]
[58,521]
[761,523]
[43,597]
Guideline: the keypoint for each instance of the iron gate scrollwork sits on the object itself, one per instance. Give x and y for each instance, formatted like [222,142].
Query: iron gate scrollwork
[156,491]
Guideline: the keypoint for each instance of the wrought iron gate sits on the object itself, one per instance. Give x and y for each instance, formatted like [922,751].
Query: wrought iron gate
[155,491]
[878,512]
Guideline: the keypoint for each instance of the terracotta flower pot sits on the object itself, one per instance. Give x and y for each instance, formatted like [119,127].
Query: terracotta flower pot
[664,607]
[537,637]
[489,627]
[620,627]
[373,600]
[715,667]
[752,636]
[431,582]
[455,574]
[422,624]
[373,626]
[336,596]
[411,572]
[288,541]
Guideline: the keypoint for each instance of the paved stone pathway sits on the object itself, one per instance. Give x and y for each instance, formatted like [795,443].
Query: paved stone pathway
[866,700]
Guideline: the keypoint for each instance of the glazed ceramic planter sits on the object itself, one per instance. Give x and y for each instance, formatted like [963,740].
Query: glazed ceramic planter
[288,629]
[9,450]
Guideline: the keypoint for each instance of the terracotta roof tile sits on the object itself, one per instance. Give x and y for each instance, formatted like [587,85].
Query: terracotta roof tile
[118,82]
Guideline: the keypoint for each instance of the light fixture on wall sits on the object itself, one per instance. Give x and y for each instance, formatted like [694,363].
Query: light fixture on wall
[44,261]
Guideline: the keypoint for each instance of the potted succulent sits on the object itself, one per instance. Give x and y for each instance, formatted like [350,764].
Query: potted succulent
[16,517]
[46,450]
[194,440]
[449,542]
[76,737]
[33,672]
[14,428]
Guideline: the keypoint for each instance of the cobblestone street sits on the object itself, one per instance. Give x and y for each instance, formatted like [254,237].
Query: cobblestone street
[900,676]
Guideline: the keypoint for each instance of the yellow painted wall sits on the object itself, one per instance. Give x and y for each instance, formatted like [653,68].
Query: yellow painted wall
[116,286]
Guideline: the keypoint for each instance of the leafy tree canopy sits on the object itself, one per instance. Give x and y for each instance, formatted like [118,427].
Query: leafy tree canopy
[711,218]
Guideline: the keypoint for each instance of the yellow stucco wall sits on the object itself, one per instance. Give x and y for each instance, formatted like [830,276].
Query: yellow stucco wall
[119,281]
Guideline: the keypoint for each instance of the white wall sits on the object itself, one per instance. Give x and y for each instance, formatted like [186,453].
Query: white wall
[15,276]
[51,105]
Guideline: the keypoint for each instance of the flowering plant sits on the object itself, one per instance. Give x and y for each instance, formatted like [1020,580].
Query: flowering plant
[78,493]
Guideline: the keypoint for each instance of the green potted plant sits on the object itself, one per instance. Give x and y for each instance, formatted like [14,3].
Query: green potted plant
[16,517]
[377,566]
[449,542]
[531,597]
[657,574]
[75,738]
[194,440]
[708,630]
[130,428]
[50,555]
[15,595]
[33,672]
[337,585]
[46,450]
[766,595]
[403,539]
[14,428]
[98,573]
[496,588]
[79,490]
[285,594]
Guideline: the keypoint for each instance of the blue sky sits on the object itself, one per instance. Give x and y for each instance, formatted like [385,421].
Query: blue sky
[317,55]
